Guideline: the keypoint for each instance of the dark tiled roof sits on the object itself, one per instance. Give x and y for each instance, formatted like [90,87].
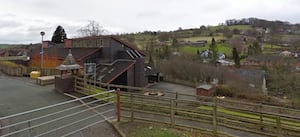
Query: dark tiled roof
[128,45]
[109,72]
[114,38]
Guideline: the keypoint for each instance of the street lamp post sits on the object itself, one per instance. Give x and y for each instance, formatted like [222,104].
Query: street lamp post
[42,50]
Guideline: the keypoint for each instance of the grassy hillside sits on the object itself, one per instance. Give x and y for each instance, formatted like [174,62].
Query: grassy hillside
[2,46]
[222,48]
[144,39]
[240,27]
[207,38]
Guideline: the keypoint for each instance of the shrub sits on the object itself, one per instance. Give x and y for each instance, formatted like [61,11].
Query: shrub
[226,90]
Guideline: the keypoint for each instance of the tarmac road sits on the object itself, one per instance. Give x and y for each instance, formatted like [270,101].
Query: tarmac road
[19,94]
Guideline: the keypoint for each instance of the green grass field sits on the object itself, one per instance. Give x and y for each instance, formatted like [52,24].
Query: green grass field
[193,49]
[208,39]
[240,27]
[225,49]
[269,46]
[155,132]
[288,37]
[94,90]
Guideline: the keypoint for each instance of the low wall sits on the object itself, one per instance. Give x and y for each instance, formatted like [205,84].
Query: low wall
[12,71]
[25,71]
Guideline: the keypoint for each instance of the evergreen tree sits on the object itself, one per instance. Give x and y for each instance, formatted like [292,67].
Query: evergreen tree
[59,35]
[255,49]
[250,50]
[236,57]
[175,44]
[214,50]
[150,60]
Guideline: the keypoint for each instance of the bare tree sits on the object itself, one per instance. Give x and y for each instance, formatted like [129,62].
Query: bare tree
[93,28]
[236,42]
[227,33]
[295,43]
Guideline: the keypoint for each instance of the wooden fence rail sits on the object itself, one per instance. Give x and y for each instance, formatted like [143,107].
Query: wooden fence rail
[204,113]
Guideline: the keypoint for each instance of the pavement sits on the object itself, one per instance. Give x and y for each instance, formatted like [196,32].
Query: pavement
[170,90]
[19,94]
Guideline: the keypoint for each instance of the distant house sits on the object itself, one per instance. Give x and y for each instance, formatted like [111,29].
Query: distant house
[284,44]
[3,53]
[285,53]
[205,54]
[297,66]
[296,55]
[223,62]
[118,62]
[208,53]
[200,43]
[221,56]
[205,90]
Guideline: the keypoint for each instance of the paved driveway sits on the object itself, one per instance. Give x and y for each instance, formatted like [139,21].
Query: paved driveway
[18,94]
[22,94]
[169,89]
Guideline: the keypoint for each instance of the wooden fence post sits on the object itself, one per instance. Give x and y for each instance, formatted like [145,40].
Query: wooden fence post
[261,117]
[215,117]
[279,126]
[131,108]
[172,112]
[176,103]
[118,105]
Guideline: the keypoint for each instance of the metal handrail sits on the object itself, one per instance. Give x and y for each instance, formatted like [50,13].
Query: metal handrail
[51,114]
[53,120]
[58,112]
[64,126]
[73,132]
[55,105]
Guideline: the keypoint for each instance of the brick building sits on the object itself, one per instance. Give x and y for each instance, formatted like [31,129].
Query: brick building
[118,62]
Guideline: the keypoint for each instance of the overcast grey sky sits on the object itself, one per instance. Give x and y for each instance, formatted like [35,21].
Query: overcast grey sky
[22,20]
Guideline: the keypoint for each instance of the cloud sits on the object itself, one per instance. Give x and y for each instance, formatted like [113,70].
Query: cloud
[25,30]
[148,14]
[21,21]
[20,30]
